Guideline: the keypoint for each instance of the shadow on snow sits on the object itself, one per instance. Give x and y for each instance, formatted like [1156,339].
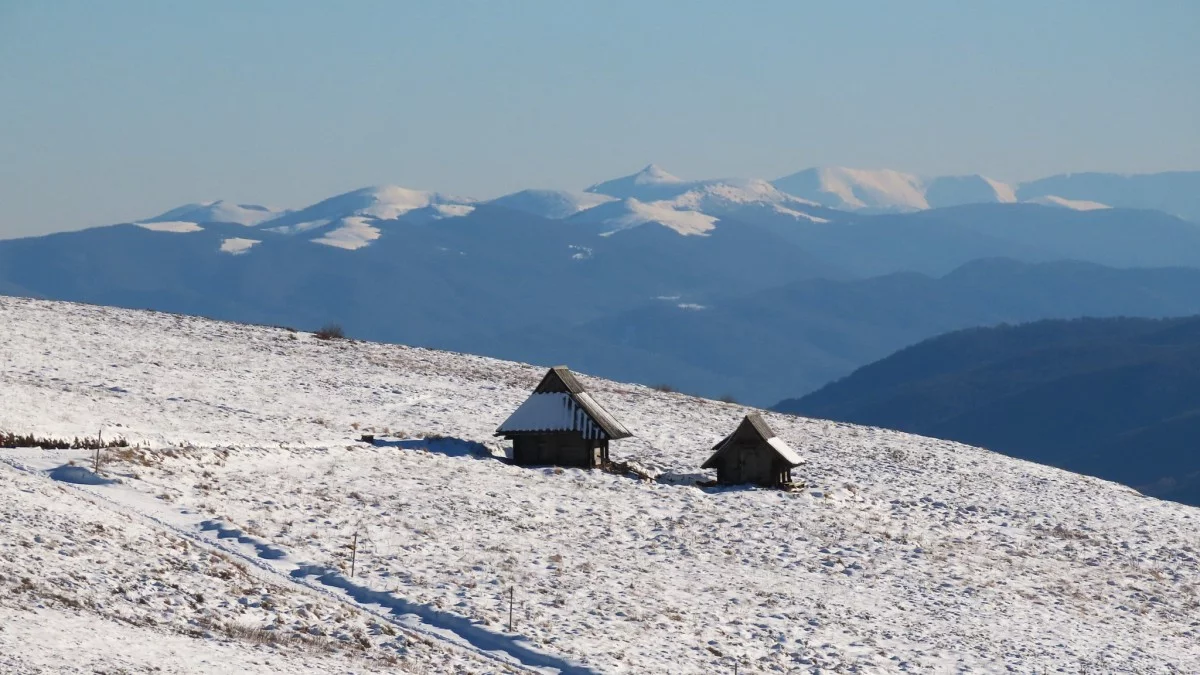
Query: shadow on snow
[448,446]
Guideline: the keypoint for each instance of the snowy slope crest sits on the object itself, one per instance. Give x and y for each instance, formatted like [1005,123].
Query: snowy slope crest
[352,220]
[1073,204]
[218,212]
[888,190]
[631,213]
[894,553]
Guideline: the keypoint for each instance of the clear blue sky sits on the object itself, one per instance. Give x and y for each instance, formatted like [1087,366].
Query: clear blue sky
[115,110]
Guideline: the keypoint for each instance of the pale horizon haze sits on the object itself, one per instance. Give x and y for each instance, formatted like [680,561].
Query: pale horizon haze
[120,110]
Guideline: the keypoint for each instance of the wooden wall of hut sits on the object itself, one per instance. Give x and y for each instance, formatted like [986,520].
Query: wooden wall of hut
[558,449]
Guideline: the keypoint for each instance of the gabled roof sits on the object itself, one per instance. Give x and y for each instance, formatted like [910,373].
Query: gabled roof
[754,425]
[559,379]
[560,403]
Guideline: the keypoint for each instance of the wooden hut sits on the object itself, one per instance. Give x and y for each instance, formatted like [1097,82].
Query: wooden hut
[753,454]
[561,424]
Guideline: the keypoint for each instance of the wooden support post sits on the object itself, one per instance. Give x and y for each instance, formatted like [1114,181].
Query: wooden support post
[510,609]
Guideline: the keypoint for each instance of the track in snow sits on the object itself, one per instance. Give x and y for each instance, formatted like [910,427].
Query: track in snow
[458,631]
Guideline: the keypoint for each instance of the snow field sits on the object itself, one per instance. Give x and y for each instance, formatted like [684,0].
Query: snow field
[901,553]
[107,590]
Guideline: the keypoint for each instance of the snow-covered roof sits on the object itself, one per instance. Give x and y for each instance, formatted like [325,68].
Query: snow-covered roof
[559,403]
[755,424]
[789,455]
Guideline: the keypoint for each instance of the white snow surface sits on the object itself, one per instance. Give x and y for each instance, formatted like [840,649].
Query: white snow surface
[171,226]
[785,450]
[685,222]
[900,553]
[294,228]
[350,233]
[1005,192]
[1073,204]
[238,245]
[219,211]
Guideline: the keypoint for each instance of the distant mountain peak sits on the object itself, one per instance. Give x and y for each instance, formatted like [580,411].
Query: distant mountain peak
[349,220]
[654,174]
[652,182]
[392,201]
[856,189]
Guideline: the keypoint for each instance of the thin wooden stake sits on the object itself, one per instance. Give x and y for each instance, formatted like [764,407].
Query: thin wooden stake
[353,554]
[510,609]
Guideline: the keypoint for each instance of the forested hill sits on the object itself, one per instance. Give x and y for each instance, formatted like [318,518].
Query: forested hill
[1115,398]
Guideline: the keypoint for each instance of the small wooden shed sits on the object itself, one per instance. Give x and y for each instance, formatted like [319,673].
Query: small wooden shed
[753,454]
[561,424]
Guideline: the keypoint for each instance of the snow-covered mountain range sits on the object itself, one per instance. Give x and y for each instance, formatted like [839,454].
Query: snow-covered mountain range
[890,191]
[688,207]
[247,529]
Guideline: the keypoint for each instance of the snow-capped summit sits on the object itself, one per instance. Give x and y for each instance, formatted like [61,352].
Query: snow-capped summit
[652,182]
[654,174]
[553,204]
[350,220]
[383,202]
[218,211]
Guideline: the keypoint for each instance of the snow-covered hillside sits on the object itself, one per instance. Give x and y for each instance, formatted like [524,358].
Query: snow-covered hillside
[900,553]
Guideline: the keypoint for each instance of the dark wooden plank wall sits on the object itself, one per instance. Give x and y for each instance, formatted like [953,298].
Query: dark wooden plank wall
[558,449]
